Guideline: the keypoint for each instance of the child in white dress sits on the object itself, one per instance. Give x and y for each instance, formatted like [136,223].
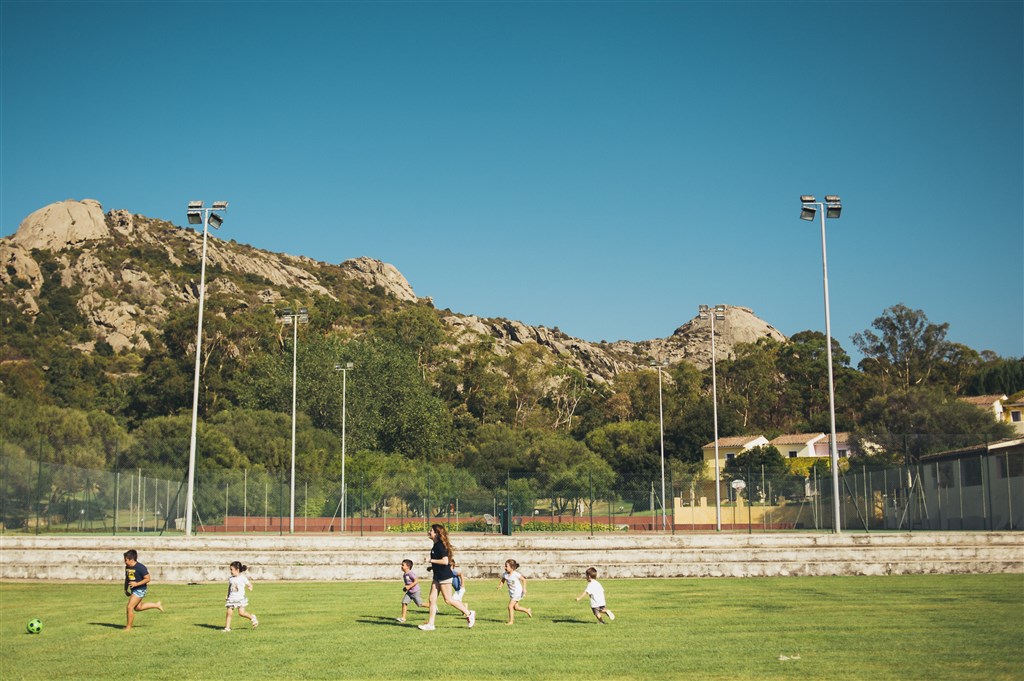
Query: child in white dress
[516,590]
[237,584]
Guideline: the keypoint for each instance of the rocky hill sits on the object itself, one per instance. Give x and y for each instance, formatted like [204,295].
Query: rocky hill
[128,269]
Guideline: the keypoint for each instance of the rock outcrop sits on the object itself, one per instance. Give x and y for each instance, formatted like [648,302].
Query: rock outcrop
[74,231]
[375,273]
[62,225]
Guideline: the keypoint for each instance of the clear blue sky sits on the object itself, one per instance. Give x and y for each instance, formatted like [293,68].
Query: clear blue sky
[600,167]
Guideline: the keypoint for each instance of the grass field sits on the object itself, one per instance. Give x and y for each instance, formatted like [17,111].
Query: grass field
[900,627]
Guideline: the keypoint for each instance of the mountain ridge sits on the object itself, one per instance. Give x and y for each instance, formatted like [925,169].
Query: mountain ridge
[125,300]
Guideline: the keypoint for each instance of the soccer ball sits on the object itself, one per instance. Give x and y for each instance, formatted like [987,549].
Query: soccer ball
[34,626]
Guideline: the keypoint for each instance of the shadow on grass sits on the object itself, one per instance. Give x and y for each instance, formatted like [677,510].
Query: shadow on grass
[383,621]
[209,626]
[573,622]
[110,625]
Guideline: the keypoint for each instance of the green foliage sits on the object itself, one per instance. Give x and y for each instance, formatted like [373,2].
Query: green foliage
[922,420]
[998,376]
[764,470]
[418,401]
[582,526]
[908,350]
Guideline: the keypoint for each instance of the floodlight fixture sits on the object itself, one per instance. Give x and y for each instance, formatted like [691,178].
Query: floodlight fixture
[216,220]
[195,204]
[195,217]
[220,205]
[833,206]
[807,211]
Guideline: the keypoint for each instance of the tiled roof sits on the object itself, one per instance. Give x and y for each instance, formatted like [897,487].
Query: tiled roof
[841,437]
[735,441]
[799,439]
[984,400]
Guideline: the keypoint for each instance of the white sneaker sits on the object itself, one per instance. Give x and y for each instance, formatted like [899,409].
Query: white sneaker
[426,627]
[399,619]
[611,615]
[472,618]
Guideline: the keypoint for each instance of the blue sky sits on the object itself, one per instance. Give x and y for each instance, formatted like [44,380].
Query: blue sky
[600,167]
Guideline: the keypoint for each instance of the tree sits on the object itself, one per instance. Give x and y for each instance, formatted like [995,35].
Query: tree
[907,351]
[921,420]
[632,449]
[752,383]
[998,376]
[764,471]
[567,471]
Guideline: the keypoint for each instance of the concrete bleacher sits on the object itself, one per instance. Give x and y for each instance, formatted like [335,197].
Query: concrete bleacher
[550,556]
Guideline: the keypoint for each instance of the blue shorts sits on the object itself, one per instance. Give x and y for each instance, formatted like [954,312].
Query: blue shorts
[139,591]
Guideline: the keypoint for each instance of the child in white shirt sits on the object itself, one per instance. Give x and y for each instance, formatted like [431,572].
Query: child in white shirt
[596,593]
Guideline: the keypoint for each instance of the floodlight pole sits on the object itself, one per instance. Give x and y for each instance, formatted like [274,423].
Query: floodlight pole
[195,212]
[661,426]
[713,312]
[832,206]
[344,411]
[294,318]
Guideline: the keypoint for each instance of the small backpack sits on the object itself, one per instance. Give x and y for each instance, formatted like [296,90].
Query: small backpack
[457,582]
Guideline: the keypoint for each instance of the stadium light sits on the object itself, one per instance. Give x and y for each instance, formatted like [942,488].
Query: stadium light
[196,215]
[715,313]
[831,208]
[294,319]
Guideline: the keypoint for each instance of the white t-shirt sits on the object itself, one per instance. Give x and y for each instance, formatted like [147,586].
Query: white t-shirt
[515,585]
[236,589]
[596,592]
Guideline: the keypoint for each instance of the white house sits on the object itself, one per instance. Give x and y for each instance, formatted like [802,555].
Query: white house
[728,448]
[798,444]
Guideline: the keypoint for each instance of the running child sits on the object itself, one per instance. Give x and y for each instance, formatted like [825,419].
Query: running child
[136,583]
[458,583]
[516,590]
[237,584]
[411,589]
[596,593]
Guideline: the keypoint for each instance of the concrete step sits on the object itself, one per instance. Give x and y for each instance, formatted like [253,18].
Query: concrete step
[550,556]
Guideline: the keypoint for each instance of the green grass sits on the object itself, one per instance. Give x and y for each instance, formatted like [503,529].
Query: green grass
[900,627]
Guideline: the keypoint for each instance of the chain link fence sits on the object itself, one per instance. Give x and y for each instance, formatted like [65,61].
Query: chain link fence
[973,491]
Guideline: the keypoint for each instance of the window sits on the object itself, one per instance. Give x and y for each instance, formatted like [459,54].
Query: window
[1011,465]
[1015,416]
[842,454]
[792,455]
[947,474]
[970,469]
[730,457]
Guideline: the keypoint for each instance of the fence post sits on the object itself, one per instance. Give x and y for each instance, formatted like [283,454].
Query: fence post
[590,476]
[1009,492]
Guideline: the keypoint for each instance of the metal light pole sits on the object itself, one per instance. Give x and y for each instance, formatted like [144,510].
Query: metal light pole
[831,208]
[344,388]
[294,318]
[207,216]
[717,312]
[661,426]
